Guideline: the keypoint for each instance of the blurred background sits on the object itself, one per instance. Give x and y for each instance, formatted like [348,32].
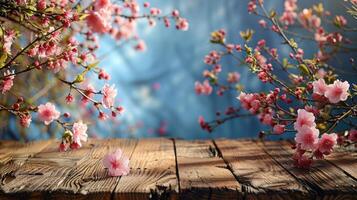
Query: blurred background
[156,87]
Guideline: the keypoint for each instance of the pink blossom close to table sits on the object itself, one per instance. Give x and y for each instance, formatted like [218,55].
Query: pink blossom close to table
[116,163]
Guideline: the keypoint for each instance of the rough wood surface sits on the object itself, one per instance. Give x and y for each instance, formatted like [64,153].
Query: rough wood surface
[173,169]
[323,180]
[257,172]
[202,173]
[153,172]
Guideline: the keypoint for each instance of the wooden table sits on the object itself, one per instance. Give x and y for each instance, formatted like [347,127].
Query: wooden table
[173,169]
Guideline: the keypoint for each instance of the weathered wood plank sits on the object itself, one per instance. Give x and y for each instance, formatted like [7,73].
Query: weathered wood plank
[52,174]
[14,158]
[14,154]
[346,160]
[259,175]
[323,179]
[202,174]
[89,178]
[153,172]
[44,170]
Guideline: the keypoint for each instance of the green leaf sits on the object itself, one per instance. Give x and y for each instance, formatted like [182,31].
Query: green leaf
[303,69]
[272,14]
[285,62]
[3,58]
[82,17]
[293,43]
[93,65]
[247,35]
[79,78]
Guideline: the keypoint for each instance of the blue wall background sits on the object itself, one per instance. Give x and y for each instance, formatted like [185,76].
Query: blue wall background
[175,61]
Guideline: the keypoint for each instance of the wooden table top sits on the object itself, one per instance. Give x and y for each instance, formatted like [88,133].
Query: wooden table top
[173,169]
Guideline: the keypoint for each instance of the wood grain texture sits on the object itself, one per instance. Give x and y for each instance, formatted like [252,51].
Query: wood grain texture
[173,169]
[89,178]
[323,179]
[202,174]
[259,175]
[345,160]
[14,155]
[153,172]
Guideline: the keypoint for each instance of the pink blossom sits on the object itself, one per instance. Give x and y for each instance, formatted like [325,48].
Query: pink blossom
[182,24]
[252,6]
[302,161]
[261,43]
[99,4]
[327,143]
[116,163]
[175,13]
[353,135]
[233,77]
[69,99]
[334,38]
[25,120]
[155,11]
[98,21]
[74,145]
[41,5]
[204,88]
[304,118]
[66,115]
[321,73]
[320,36]
[89,90]
[141,46]
[79,130]
[63,147]
[338,91]
[7,82]
[109,94]
[319,86]
[127,30]
[288,17]
[102,116]
[47,113]
[262,23]
[290,5]
[103,75]
[307,137]
[279,129]
[9,37]
[249,102]
[266,118]
[120,109]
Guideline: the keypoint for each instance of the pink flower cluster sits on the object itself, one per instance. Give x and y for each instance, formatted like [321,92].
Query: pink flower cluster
[79,131]
[7,82]
[73,139]
[336,92]
[204,88]
[307,139]
[9,37]
[289,15]
[98,20]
